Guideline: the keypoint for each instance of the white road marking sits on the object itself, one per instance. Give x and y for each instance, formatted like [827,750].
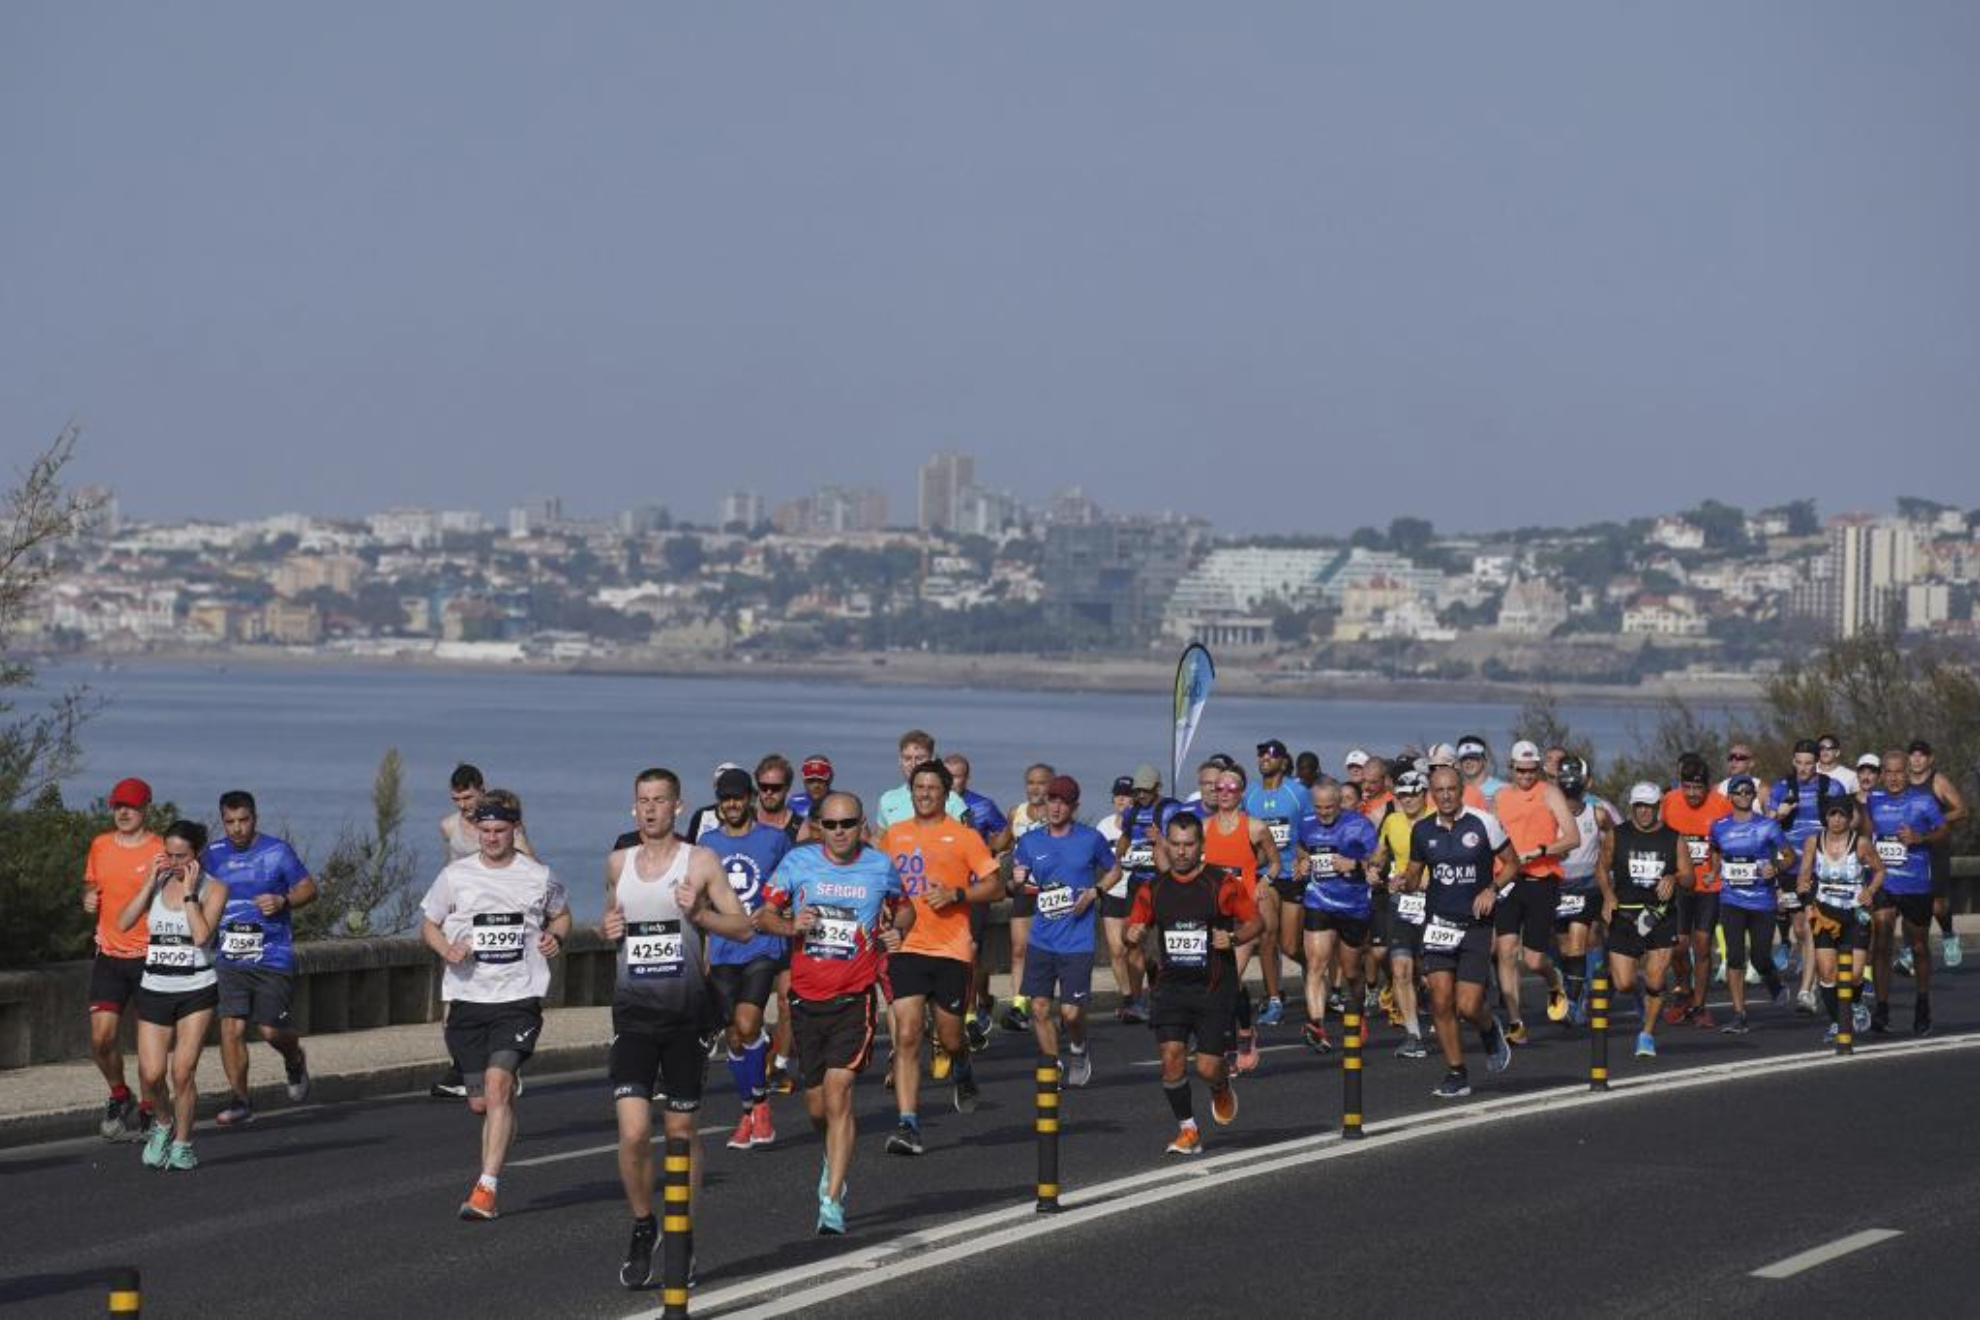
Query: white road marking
[785,1291]
[1822,1255]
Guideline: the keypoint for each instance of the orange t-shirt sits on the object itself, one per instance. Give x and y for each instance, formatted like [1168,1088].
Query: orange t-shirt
[117,873]
[1231,851]
[1529,822]
[944,853]
[1474,797]
[1376,808]
[1695,824]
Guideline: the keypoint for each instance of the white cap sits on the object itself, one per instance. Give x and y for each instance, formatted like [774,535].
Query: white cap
[1869,759]
[1440,754]
[1355,758]
[1524,752]
[1470,747]
[1644,794]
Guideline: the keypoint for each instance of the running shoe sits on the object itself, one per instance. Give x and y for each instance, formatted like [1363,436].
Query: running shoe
[155,1146]
[1515,1034]
[1783,997]
[906,1140]
[831,1218]
[762,1130]
[1370,1001]
[1017,1015]
[146,1121]
[115,1112]
[637,1272]
[180,1156]
[1557,1004]
[1950,952]
[1498,1047]
[1704,1020]
[1411,1048]
[450,1087]
[1902,963]
[1752,974]
[1782,953]
[889,1083]
[966,1095]
[1646,1045]
[1316,1039]
[1335,1003]
[1273,1013]
[1385,998]
[1247,1051]
[778,1081]
[1859,1017]
[825,1181]
[1455,1086]
[238,1113]
[1135,1011]
[1578,1012]
[976,1031]
[1188,1141]
[1676,1013]
[297,1077]
[1736,1026]
[940,1063]
[1806,1004]
[1079,1068]
[480,1204]
[1224,1105]
[1829,1036]
[745,1134]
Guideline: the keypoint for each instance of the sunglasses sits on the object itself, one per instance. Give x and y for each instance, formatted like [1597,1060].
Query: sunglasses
[1739,756]
[1742,792]
[771,786]
[1230,788]
[849,823]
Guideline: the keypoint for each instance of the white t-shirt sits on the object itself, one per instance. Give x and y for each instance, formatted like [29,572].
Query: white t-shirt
[501,912]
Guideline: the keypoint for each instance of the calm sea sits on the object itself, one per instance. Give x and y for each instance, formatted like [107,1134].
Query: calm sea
[306,741]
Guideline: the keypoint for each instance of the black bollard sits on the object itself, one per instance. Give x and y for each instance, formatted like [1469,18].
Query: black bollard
[126,1297]
[1048,1136]
[1351,1075]
[676,1229]
[1845,1001]
[1598,1034]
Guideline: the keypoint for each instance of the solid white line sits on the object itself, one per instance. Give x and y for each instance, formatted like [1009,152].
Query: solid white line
[1808,1260]
[789,1290]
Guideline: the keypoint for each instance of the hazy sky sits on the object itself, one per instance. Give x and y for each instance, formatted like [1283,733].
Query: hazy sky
[1290,266]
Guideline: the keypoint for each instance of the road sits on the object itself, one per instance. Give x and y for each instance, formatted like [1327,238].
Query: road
[1721,1157]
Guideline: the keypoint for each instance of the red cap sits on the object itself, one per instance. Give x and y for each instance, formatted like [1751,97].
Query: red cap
[1065,788]
[815,767]
[131,793]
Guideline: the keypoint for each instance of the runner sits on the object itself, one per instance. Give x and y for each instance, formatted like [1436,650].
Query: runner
[1646,868]
[817,774]
[1065,865]
[1739,761]
[991,825]
[1281,803]
[1334,847]
[1235,842]
[1535,816]
[704,820]
[461,838]
[1798,802]
[849,904]
[1405,909]
[1142,823]
[1306,769]
[265,882]
[945,868]
[1828,759]
[742,971]
[661,897]
[773,796]
[1028,815]
[497,919]
[1377,791]
[1922,773]
[1354,767]
[1454,856]
[1842,876]
[773,785]
[121,862]
[1753,855]
[1907,823]
[1692,808]
[1474,761]
[1199,914]
[1580,902]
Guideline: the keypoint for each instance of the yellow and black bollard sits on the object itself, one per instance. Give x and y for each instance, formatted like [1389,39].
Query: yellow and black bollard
[1048,1136]
[1598,1034]
[676,1228]
[126,1298]
[1846,1002]
[1351,1075]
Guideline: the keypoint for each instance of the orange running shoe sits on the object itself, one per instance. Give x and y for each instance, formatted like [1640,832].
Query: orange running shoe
[1223,1106]
[1188,1141]
[761,1130]
[745,1134]
[480,1204]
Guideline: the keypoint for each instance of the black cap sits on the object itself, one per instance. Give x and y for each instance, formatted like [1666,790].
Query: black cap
[1921,746]
[734,784]
[1273,747]
[1124,786]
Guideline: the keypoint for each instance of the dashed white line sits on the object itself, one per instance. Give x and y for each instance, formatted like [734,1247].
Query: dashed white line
[1822,1255]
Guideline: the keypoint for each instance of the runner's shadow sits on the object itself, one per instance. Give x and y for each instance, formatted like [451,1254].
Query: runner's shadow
[287,1150]
[1072,1130]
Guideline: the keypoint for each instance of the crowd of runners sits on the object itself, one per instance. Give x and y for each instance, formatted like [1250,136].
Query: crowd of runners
[770,928]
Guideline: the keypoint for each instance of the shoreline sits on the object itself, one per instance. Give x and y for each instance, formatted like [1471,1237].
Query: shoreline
[994,673]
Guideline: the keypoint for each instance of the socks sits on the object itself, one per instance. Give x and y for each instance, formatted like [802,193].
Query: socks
[1177,1093]
[488,1180]
[1832,1001]
[909,1117]
[120,1092]
[753,1079]
[1574,974]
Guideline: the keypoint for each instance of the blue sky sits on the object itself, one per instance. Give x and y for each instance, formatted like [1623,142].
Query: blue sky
[1294,267]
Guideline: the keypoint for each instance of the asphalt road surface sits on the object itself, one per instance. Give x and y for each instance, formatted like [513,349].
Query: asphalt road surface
[1723,1157]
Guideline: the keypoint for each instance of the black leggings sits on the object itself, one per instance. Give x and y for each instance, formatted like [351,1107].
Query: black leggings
[1749,930]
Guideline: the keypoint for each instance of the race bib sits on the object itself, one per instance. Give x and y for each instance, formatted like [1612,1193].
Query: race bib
[1410,908]
[1646,868]
[1700,850]
[1139,856]
[1443,934]
[1321,865]
[498,937]
[1833,895]
[655,950]
[242,940]
[1281,831]
[1571,905]
[171,954]
[1893,852]
[1186,945]
[1740,873]
[1056,902]
[836,936]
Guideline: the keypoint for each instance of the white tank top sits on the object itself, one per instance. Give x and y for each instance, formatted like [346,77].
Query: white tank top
[1837,879]
[1578,867]
[173,962]
[463,840]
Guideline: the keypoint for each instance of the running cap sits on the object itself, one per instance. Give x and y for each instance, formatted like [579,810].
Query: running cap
[1440,754]
[1123,786]
[1738,782]
[1574,771]
[1273,747]
[490,809]
[1921,746]
[1644,794]
[1065,788]
[1869,761]
[1525,753]
[815,767]
[131,793]
[1412,782]
[734,783]
[724,769]
[1355,758]
[1145,776]
[1470,747]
